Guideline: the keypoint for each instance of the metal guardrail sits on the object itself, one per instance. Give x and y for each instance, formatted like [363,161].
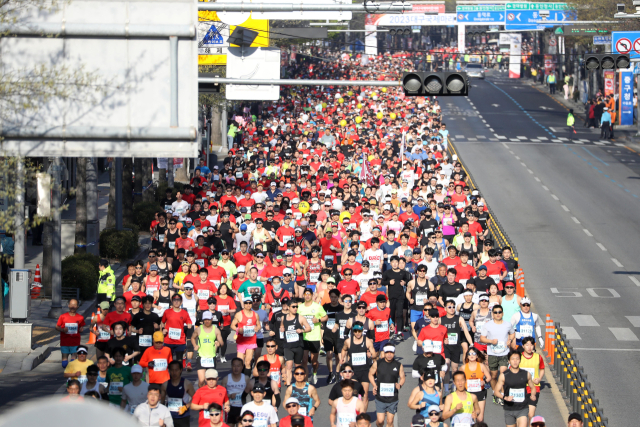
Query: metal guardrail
[570,376]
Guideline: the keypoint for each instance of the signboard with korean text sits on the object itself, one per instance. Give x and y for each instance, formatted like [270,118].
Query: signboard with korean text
[626,98]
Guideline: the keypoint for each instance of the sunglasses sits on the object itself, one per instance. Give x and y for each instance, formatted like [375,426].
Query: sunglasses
[248,420]
[248,302]
[526,305]
[293,306]
[348,274]
[214,414]
[497,312]
[291,405]
[471,354]
[299,373]
[361,308]
[212,379]
[431,414]
[264,370]
[349,371]
[270,346]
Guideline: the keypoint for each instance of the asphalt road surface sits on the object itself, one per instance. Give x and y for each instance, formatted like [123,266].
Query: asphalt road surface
[571,209]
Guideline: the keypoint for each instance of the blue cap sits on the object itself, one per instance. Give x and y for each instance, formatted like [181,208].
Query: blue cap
[243,227]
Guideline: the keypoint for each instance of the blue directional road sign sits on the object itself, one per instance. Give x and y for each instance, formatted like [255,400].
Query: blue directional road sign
[626,42]
[483,14]
[525,16]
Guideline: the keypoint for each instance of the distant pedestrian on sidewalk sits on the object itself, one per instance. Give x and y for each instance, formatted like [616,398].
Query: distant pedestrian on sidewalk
[551,79]
[571,124]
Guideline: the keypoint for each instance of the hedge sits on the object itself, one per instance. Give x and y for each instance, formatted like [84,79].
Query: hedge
[144,213]
[119,245]
[80,271]
[162,189]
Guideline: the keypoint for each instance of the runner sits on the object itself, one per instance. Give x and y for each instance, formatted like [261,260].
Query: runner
[525,323]
[152,412]
[345,409]
[276,362]
[477,373]
[77,368]
[304,392]
[205,340]
[500,338]
[144,324]
[92,384]
[315,315]
[178,393]
[70,325]
[360,352]
[381,317]
[387,376]
[329,333]
[173,322]
[134,393]
[461,406]
[533,363]
[156,359]
[513,387]
[293,326]
[236,383]
[293,406]
[246,323]
[264,414]
[425,395]
[210,394]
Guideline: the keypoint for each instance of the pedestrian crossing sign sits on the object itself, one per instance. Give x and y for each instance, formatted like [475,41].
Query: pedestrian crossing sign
[212,37]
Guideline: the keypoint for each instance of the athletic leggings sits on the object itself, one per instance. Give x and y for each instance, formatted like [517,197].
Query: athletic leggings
[397,315]
[225,331]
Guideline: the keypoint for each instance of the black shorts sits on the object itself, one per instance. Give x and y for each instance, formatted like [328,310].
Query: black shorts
[329,345]
[260,342]
[481,395]
[312,346]
[181,422]
[233,417]
[188,332]
[294,354]
[280,351]
[533,402]
[101,345]
[198,366]
[361,376]
[453,353]
[301,283]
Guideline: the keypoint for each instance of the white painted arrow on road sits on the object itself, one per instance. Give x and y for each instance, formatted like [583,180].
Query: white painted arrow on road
[546,108]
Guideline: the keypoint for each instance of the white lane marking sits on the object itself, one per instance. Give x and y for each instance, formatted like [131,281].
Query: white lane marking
[601,246]
[570,333]
[484,121]
[517,157]
[521,137]
[566,209]
[530,171]
[491,130]
[634,280]
[587,232]
[523,164]
[634,320]
[512,152]
[536,178]
[545,187]
[585,320]
[543,138]
[505,145]
[617,263]
[555,197]
[575,220]
[624,334]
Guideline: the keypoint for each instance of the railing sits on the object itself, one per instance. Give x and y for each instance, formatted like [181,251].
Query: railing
[560,356]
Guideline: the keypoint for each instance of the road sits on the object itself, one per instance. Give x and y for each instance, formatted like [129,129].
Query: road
[47,380]
[570,207]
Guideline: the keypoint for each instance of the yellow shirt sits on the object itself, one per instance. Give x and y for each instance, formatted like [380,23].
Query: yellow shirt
[76,366]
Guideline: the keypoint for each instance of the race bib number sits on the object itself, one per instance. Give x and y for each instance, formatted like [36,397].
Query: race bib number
[479,326]
[161,238]
[526,331]
[459,205]
[421,299]
[517,394]
[82,379]
[167,207]
[310,319]
[132,408]
[203,294]
[509,276]
[331,323]
[175,333]
[474,385]
[495,277]
[297,215]
[453,338]
[72,328]
[382,327]
[345,420]
[328,258]
[113,388]
[104,335]
[292,336]
[145,341]
[207,362]
[499,348]
[172,245]
[174,404]
[160,365]
[437,345]
[359,359]
[200,263]
[314,277]
[224,309]
[372,305]
[342,328]
[248,331]
[387,389]
[302,410]
[275,376]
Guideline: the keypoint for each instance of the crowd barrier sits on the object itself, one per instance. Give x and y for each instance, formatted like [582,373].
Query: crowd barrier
[562,362]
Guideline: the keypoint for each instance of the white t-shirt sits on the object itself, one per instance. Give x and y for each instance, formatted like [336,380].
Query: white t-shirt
[181,208]
[259,197]
[363,280]
[263,415]
[432,267]
[501,332]
[374,258]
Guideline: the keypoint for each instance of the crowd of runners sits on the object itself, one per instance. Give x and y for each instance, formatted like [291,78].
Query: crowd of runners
[337,227]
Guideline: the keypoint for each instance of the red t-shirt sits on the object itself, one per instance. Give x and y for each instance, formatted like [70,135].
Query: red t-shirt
[327,252]
[350,287]
[495,271]
[74,323]
[128,295]
[204,291]
[370,298]
[382,330]
[216,275]
[465,272]
[355,267]
[242,259]
[174,322]
[209,395]
[114,317]
[451,262]
[202,254]
[435,335]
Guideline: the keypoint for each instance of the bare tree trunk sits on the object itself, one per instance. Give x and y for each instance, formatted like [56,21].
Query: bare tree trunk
[181,173]
[111,211]
[127,190]
[147,179]
[137,183]
[81,206]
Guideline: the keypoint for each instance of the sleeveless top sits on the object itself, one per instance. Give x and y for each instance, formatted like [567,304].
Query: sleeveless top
[420,295]
[207,350]
[462,415]
[189,305]
[358,355]
[314,271]
[515,385]
[171,239]
[429,399]
[525,328]
[274,369]
[236,387]
[151,286]
[454,331]
[163,301]
[510,307]
[465,313]
[84,390]
[302,394]
[175,399]
[480,321]
[163,272]
[292,339]
[346,413]
[474,378]
[448,230]
[248,324]
[365,325]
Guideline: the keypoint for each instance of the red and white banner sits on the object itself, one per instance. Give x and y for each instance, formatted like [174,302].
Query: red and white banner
[609,78]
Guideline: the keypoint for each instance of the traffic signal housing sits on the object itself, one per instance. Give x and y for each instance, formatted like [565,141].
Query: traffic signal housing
[209,87]
[606,61]
[447,83]
[400,31]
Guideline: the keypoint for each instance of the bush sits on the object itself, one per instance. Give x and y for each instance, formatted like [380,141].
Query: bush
[162,188]
[81,272]
[144,213]
[119,245]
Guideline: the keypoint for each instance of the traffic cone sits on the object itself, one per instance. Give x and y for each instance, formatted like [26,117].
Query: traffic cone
[92,332]
[36,286]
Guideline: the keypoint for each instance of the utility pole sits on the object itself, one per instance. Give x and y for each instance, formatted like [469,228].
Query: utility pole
[93,224]
[118,162]
[18,236]
[55,170]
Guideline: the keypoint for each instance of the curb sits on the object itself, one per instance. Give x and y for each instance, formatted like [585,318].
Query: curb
[36,357]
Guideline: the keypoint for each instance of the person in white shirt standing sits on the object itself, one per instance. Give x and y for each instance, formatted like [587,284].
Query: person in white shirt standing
[374,255]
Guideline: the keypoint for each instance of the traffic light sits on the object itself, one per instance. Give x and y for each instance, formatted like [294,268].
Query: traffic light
[606,61]
[400,31]
[208,87]
[435,84]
